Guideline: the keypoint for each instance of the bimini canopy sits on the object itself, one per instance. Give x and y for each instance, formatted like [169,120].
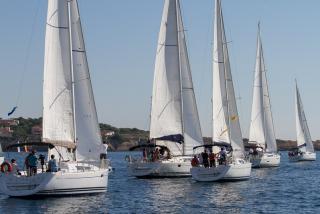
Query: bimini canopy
[49,145]
[218,144]
[143,146]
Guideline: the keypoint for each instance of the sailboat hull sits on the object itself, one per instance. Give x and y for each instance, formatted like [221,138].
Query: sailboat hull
[55,183]
[238,170]
[175,167]
[306,156]
[1,159]
[265,160]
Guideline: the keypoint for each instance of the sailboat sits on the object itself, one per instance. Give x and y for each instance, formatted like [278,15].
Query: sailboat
[174,125]
[262,138]
[70,125]
[304,150]
[226,125]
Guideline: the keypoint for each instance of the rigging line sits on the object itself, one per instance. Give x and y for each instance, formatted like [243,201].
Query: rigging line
[55,99]
[66,28]
[24,70]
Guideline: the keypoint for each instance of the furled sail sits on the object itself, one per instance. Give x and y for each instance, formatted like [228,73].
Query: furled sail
[226,125]
[174,117]
[304,141]
[261,127]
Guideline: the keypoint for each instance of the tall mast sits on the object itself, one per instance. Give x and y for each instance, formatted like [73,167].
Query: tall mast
[178,13]
[261,70]
[72,75]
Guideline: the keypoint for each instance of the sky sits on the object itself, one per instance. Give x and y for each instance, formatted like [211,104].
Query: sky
[121,40]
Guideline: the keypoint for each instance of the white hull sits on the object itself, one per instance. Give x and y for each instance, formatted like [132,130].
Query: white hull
[239,170]
[306,156]
[1,159]
[266,160]
[175,167]
[55,183]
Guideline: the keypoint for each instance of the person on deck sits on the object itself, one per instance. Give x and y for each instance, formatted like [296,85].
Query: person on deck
[52,165]
[42,158]
[212,159]
[205,159]
[15,169]
[145,154]
[33,163]
[156,155]
[222,156]
[27,165]
[194,161]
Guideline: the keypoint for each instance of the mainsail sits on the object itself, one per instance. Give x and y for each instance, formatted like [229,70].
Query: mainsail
[226,125]
[304,141]
[58,126]
[174,116]
[69,113]
[261,126]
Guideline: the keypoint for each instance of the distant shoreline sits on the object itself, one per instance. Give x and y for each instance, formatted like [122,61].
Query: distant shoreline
[118,139]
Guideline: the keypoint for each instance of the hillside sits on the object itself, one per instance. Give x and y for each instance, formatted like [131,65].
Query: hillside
[118,139]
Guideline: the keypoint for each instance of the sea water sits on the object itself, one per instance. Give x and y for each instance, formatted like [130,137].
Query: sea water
[290,188]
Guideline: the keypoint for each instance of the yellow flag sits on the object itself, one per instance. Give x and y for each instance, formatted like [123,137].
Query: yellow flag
[234,117]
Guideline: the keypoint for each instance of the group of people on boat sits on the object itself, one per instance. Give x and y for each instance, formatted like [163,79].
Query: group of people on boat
[210,159]
[294,153]
[31,163]
[256,151]
[153,155]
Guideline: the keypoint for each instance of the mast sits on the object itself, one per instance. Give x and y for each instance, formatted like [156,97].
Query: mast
[72,76]
[178,14]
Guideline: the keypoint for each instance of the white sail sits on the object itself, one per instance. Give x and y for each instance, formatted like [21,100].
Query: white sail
[88,137]
[261,127]
[191,122]
[269,133]
[69,113]
[226,125]
[57,86]
[304,141]
[174,113]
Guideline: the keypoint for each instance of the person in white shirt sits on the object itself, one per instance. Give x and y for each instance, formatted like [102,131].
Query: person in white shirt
[52,165]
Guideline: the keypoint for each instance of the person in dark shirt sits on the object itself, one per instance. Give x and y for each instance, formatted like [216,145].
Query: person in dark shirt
[42,158]
[212,158]
[205,159]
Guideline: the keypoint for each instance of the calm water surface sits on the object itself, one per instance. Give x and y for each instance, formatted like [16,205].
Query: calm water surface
[292,187]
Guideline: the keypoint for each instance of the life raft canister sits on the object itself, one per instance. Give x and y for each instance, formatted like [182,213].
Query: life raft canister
[6,167]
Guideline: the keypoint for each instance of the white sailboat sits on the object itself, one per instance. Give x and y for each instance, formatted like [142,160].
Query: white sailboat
[70,124]
[262,136]
[304,150]
[226,125]
[174,124]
